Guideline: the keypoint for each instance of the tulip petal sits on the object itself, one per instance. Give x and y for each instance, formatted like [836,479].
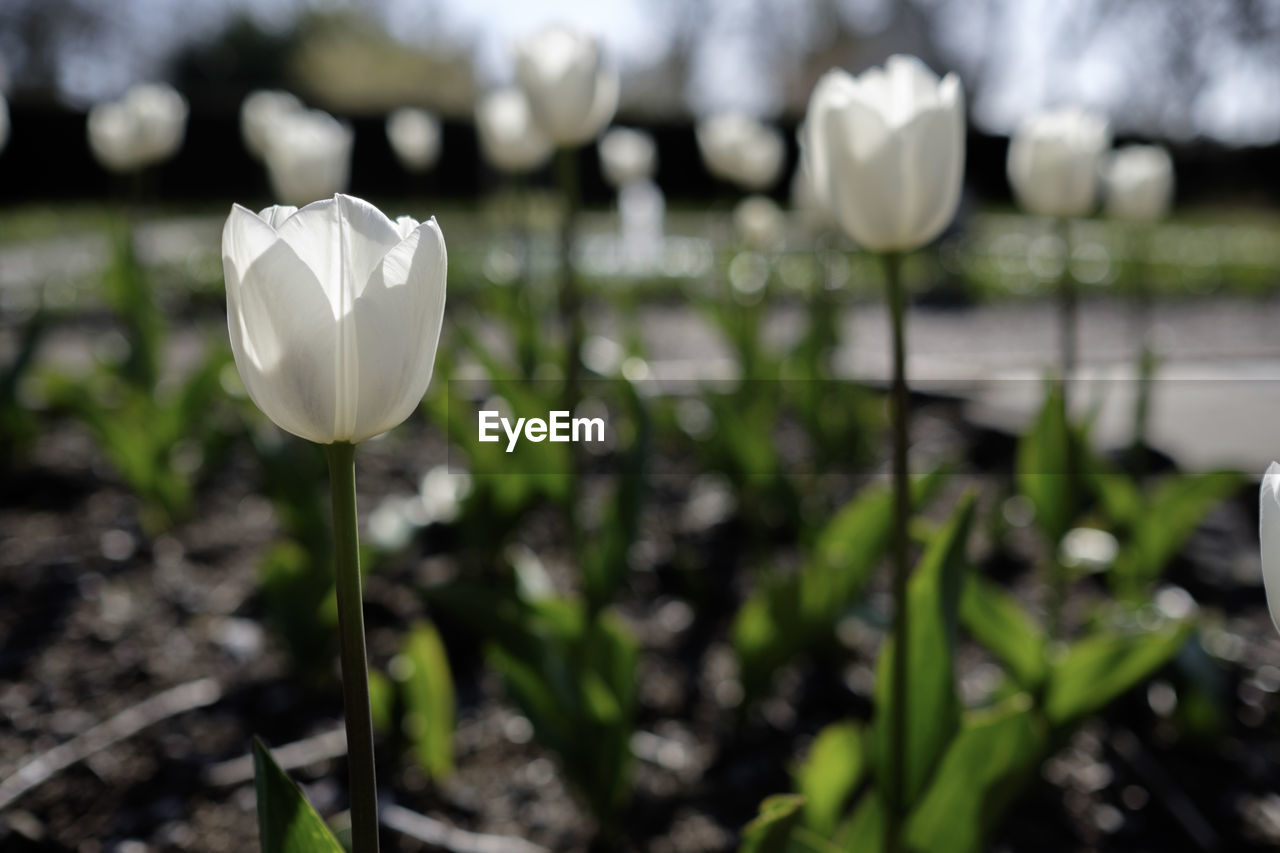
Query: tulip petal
[397,322]
[865,169]
[1269,533]
[281,327]
[342,239]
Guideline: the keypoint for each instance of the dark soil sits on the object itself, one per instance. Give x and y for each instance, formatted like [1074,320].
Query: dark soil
[94,618]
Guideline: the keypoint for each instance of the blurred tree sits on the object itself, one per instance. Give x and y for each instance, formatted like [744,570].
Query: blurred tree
[243,57]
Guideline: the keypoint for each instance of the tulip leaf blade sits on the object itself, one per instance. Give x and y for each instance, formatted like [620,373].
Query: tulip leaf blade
[1100,667]
[788,613]
[933,708]
[999,623]
[827,777]
[286,821]
[993,753]
[1044,457]
[426,686]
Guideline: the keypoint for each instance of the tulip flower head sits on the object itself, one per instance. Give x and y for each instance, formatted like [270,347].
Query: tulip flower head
[759,222]
[414,135]
[885,152]
[259,113]
[1139,183]
[509,138]
[1269,533]
[308,156]
[572,94]
[741,150]
[141,129]
[627,156]
[334,314]
[1055,159]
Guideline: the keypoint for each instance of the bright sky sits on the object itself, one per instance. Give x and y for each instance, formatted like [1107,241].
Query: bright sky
[1022,55]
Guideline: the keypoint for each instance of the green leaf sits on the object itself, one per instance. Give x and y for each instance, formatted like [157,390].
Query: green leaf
[933,710]
[1043,470]
[998,622]
[788,613]
[993,753]
[1170,516]
[1101,667]
[770,830]
[382,701]
[427,688]
[865,829]
[286,821]
[828,775]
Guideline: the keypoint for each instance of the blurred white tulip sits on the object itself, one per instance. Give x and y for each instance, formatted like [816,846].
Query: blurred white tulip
[885,152]
[571,92]
[4,122]
[627,156]
[334,314]
[1269,533]
[759,222]
[1139,183]
[414,135]
[741,150]
[308,156]
[509,139]
[1055,159]
[141,129]
[807,202]
[258,114]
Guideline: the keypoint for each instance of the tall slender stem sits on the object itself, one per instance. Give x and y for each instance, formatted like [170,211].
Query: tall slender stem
[570,298]
[355,664]
[897,792]
[1069,321]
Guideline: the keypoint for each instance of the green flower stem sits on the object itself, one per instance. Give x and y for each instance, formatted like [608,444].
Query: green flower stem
[1140,247]
[896,786]
[570,298]
[355,664]
[1068,311]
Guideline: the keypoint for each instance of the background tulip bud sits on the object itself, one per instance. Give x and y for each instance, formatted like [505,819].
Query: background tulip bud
[334,314]
[509,139]
[759,222]
[885,152]
[258,114]
[1055,159]
[1139,183]
[741,150]
[4,122]
[414,135]
[144,127]
[308,156]
[1269,533]
[572,95]
[627,156]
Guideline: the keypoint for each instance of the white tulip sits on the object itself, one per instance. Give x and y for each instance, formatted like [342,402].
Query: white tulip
[1054,161]
[509,139]
[885,152]
[627,156]
[144,127]
[1139,183]
[308,156]
[414,135]
[571,93]
[4,122]
[807,202]
[1269,533]
[759,222]
[741,150]
[334,314]
[258,115]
